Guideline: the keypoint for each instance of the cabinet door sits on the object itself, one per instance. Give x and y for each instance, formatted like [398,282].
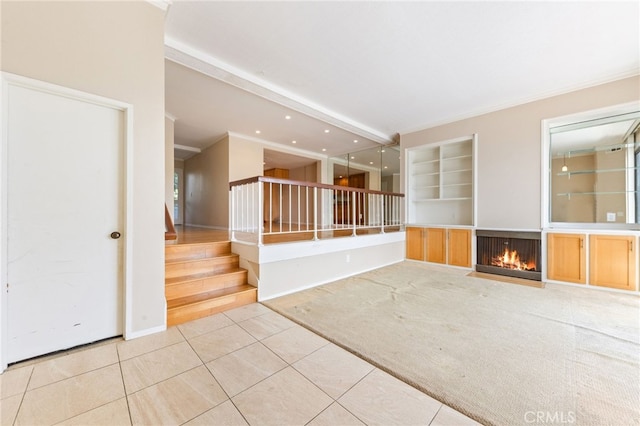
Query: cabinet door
[415,243]
[436,245]
[613,261]
[566,258]
[460,247]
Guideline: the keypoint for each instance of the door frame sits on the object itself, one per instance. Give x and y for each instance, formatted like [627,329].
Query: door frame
[7,80]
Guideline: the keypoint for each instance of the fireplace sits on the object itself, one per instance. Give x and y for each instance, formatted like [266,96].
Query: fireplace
[510,253]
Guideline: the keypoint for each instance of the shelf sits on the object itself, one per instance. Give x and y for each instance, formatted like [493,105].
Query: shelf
[425,174]
[457,157]
[425,187]
[455,171]
[440,181]
[591,172]
[569,194]
[418,163]
[457,184]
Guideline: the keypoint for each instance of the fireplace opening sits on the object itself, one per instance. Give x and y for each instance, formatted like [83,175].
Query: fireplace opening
[510,253]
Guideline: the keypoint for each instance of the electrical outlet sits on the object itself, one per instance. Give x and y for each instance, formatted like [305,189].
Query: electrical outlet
[611,217]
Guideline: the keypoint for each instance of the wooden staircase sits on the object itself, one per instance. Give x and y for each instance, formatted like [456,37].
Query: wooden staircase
[202,279]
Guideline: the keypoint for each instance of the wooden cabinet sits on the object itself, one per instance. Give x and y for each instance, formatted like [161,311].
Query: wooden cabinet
[415,243]
[460,247]
[566,258]
[613,261]
[436,245]
[439,245]
[610,259]
[277,173]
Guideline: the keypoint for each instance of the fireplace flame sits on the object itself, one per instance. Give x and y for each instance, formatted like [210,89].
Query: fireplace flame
[511,260]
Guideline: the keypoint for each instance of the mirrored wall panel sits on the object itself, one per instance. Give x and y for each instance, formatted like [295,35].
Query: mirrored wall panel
[376,168]
[594,170]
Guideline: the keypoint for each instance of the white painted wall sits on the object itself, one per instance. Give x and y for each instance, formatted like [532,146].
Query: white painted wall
[115,50]
[206,177]
[281,269]
[510,150]
[245,158]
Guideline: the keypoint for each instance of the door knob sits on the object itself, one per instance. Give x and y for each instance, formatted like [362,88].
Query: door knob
[115,235]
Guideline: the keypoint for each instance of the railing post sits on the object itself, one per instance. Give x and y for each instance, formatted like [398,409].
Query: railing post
[315,213]
[383,215]
[260,208]
[232,217]
[354,208]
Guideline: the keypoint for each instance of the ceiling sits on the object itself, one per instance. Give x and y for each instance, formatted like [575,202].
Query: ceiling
[367,71]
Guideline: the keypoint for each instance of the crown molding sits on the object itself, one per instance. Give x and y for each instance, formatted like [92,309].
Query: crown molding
[185,55]
[187,148]
[280,147]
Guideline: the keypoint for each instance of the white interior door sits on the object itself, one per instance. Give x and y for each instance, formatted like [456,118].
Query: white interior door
[64,198]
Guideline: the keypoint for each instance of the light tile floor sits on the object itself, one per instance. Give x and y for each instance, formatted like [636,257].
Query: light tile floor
[249,365]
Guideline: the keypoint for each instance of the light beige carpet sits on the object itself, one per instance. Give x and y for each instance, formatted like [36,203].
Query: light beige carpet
[500,353]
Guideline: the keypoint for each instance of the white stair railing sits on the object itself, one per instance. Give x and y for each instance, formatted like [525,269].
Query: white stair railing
[285,210]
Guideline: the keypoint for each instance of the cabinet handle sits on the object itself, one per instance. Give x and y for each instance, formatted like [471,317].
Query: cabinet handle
[631,245]
[581,242]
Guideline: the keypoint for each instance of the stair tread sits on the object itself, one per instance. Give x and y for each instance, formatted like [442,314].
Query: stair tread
[203,297]
[202,243]
[221,258]
[173,250]
[187,260]
[200,276]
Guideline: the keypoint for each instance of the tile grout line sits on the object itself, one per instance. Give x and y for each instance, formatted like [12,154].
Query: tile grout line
[124,388]
[288,364]
[24,394]
[437,412]
[69,378]
[213,376]
[170,377]
[75,375]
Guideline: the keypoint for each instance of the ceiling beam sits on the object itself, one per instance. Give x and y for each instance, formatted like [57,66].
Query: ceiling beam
[208,65]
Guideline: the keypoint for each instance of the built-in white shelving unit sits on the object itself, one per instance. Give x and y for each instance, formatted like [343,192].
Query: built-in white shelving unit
[441,183]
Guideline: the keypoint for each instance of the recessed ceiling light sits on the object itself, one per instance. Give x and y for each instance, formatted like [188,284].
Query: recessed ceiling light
[382,150]
[294,142]
[257,132]
[355,141]
[326,130]
[340,177]
[353,158]
[324,149]
[370,162]
[386,167]
[287,117]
